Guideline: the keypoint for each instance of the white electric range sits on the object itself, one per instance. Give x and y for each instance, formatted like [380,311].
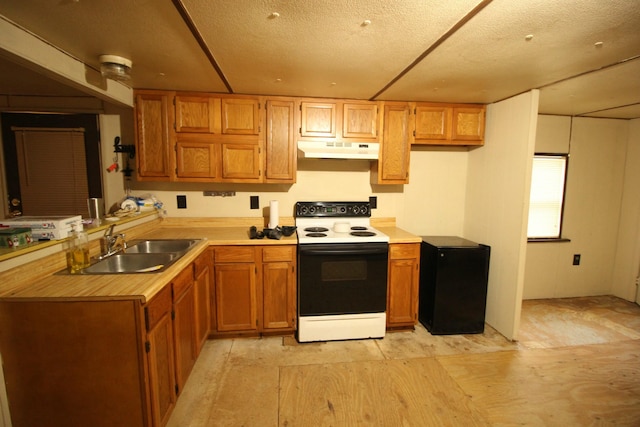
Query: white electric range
[342,272]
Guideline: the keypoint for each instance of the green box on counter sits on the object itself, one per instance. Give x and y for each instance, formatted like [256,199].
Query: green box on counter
[13,237]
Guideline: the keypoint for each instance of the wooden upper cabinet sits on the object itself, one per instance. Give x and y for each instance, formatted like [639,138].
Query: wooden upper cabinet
[392,166]
[240,116]
[197,157]
[468,124]
[359,120]
[340,120]
[153,119]
[449,124]
[432,122]
[318,119]
[217,114]
[240,162]
[197,113]
[280,145]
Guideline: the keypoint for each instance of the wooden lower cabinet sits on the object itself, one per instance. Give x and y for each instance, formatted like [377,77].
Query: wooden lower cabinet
[278,288]
[81,363]
[254,289]
[184,325]
[403,283]
[202,289]
[102,362]
[160,350]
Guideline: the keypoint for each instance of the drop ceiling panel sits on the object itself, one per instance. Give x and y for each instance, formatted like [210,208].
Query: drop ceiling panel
[320,48]
[490,59]
[151,33]
[595,94]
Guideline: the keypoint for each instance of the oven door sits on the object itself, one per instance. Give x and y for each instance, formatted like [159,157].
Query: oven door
[342,278]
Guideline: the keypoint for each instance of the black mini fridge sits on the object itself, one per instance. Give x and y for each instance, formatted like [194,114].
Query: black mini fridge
[453,285]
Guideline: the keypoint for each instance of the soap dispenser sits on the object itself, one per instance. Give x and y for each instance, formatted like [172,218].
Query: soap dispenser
[77,251]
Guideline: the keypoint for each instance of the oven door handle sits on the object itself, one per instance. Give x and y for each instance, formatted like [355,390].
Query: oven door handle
[345,251]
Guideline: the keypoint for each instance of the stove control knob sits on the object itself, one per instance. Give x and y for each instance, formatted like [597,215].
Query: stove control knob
[303,209]
[364,210]
[342,209]
[312,209]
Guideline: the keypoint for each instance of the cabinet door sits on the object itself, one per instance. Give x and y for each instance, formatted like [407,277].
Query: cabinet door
[197,158]
[197,114]
[360,121]
[185,335]
[318,119]
[202,298]
[279,288]
[281,144]
[433,122]
[240,162]
[153,118]
[240,116]
[160,356]
[402,295]
[236,305]
[393,163]
[468,124]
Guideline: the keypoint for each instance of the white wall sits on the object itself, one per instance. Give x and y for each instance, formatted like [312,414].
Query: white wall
[496,212]
[627,262]
[595,178]
[432,203]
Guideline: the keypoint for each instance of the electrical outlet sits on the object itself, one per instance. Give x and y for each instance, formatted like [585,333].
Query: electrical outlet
[373,201]
[576,259]
[254,202]
[182,202]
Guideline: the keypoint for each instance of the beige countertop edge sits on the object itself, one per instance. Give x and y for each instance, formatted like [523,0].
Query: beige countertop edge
[398,235]
[142,286]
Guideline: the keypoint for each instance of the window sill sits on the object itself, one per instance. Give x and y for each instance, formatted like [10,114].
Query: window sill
[547,240]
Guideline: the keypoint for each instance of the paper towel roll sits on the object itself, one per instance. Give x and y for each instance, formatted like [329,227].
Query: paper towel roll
[273,214]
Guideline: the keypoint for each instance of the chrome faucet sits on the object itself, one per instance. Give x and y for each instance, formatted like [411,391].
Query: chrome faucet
[112,243]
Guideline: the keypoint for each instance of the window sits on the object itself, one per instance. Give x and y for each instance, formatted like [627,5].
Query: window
[547,196]
[87,164]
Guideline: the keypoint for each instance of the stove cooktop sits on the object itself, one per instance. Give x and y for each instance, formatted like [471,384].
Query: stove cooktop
[336,222]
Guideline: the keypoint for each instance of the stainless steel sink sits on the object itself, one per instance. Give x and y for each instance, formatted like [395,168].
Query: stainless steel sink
[161,246]
[132,263]
[143,256]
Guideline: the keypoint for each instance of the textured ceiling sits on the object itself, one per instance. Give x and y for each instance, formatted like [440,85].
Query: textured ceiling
[584,57]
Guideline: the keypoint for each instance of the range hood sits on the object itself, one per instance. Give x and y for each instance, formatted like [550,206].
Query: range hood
[338,150]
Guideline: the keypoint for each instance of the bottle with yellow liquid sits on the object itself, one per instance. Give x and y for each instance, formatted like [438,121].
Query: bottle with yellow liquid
[78,251]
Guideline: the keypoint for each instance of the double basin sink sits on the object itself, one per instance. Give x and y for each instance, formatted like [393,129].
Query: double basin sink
[143,256]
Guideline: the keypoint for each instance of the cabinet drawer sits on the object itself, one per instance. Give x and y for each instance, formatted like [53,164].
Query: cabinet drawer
[157,307]
[234,254]
[404,251]
[278,253]
[182,282]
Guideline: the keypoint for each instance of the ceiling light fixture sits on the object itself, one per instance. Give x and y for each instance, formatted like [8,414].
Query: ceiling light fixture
[115,67]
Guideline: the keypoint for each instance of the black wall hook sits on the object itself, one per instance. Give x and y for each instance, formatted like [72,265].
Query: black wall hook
[118,148]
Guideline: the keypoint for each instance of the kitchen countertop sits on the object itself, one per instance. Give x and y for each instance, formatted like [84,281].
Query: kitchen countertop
[144,286]
[398,235]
